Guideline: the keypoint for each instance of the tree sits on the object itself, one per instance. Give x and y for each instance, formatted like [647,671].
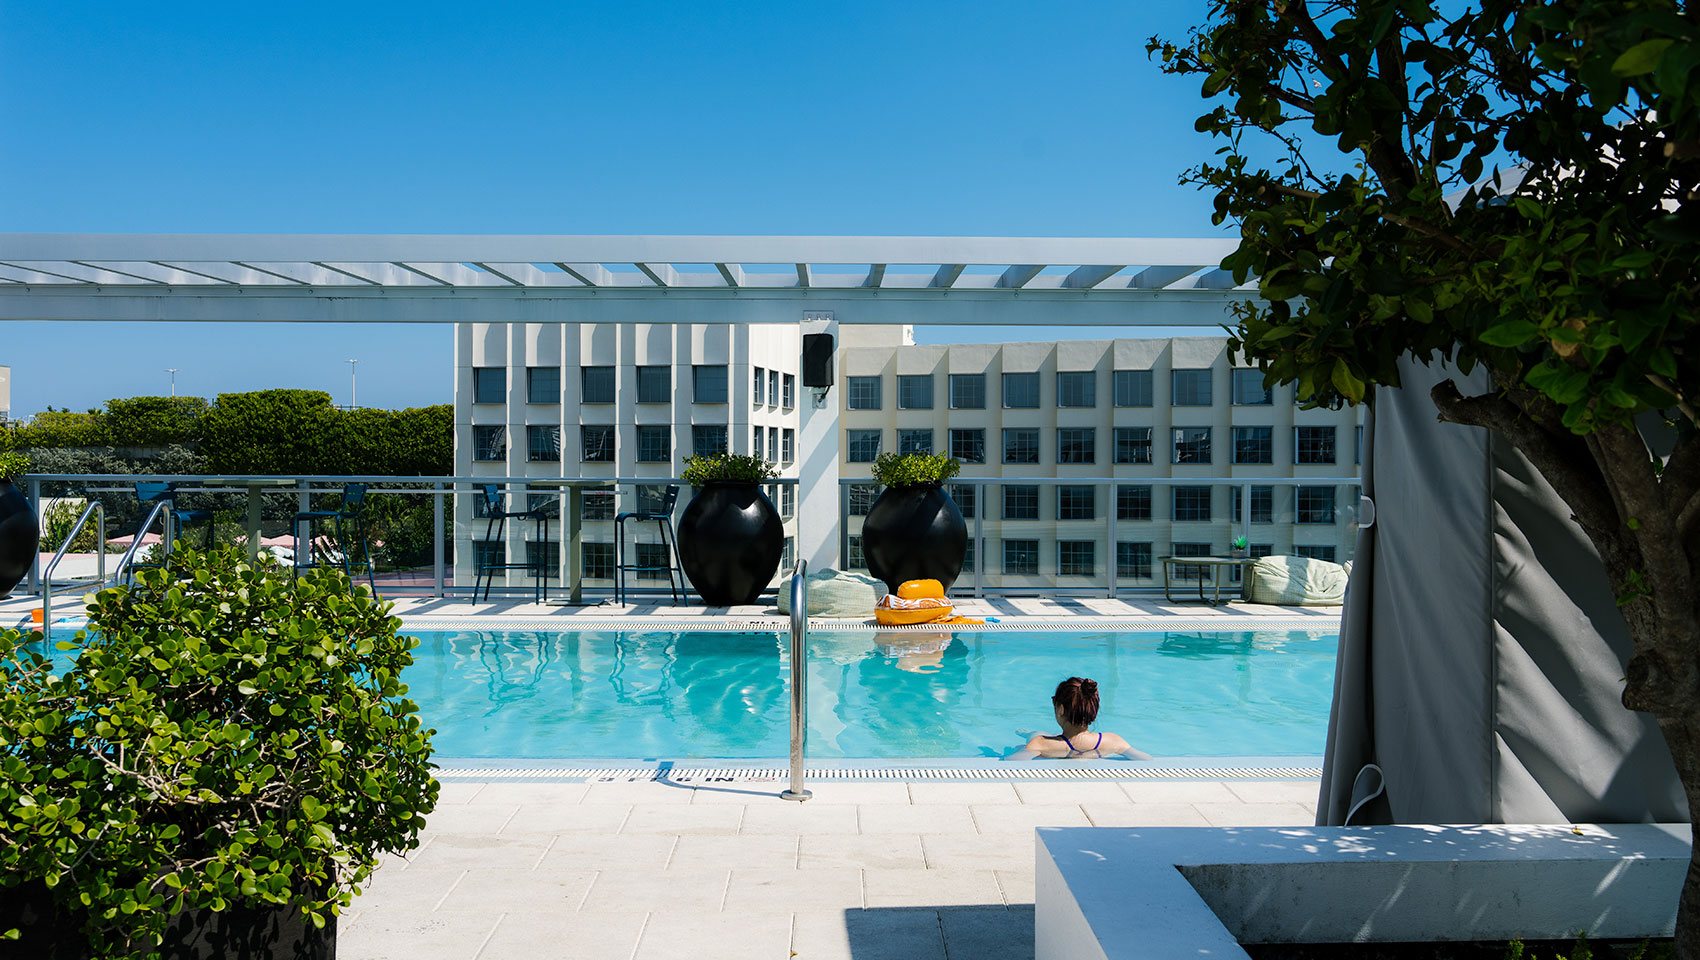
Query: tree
[1575,287]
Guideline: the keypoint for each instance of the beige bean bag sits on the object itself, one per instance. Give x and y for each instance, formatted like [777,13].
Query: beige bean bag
[1296,581]
[836,593]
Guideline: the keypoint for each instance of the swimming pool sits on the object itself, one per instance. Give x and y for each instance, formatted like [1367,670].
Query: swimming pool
[974,693]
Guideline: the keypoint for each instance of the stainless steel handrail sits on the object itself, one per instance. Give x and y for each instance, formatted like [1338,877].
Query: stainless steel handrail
[165,538]
[94,507]
[799,679]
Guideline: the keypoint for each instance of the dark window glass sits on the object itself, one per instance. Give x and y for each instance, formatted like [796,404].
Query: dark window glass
[966,497]
[968,558]
[969,446]
[757,385]
[1020,502]
[853,556]
[598,560]
[489,385]
[596,384]
[968,391]
[1314,552]
[789,398]
[655,444]
[1021,557]
[1077,388]
[915,391]
[489,553]
[650,498]
[543,444]
[1254,445]
[1262,504]
[787,501]
[543,385]
[1133,559]
[1248,389]
[773,383]
[652,559]
[1077,558]
[1133,502]
[549,560]
[1133,444]
[1020,391]
[787,445]
[861,446]
[489,443]
[1021,445]
[1076,502]
[862,497]
[708,383]
[1314,505]
[863,393]
[708,440]
[598,504]
[787,556]
[1192,503]
[1191,445]
[1313,445]
[1191,572]
[655,384]
[481,503]
[1358,444]
[598,444]
[1133,388]
[773,443]
[1191,388]
[1077,444]
[914,441]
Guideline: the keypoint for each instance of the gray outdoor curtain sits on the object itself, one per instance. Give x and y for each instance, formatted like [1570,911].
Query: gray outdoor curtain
[1481,655]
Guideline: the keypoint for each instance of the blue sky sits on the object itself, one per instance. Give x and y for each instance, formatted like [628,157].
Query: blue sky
[981,119]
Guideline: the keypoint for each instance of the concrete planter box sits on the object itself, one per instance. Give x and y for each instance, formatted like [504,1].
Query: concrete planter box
[1114,894]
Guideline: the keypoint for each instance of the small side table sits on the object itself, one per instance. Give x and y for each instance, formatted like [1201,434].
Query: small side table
[1213,564]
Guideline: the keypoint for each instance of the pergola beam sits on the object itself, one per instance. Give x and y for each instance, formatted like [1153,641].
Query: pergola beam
[1017,275]
[732,273]
[589,274]
[803,276]
[660,274]
[876,275]
[947,274]
[1086,277]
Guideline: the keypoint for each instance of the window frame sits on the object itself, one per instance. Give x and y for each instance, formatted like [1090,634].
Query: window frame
[1023,378]
[480,387]
[649,430]
[1130,385]
[1008,431]
[1200,375]
[585,376]
[979,379]
[1077,389]
[857,395]
[553,396]
[647,379]
[910,383]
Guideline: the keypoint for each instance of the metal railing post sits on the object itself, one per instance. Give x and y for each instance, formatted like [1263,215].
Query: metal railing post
[437,540]
[36,579]
[799,680]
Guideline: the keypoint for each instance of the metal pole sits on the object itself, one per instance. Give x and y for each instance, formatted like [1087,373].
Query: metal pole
[437,540]
[34,488]
[353,398]
[799,680]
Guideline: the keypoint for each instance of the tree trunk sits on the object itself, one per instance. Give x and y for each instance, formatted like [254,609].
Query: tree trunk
[1682,735]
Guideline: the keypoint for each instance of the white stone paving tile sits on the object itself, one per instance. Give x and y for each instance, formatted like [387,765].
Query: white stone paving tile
[741,793]
[877,851]
[454,850]
[1178,791]
[1022,818]
[420,891]
[924,792]
[988,934]
[1017,886]
[412,935]
[529,793]
[868,935]
[1144,815]
[1071,792]
[641,891]
[683,819]
[788,891]
[630,793]
[470,818]
[456,793]
[681,935]
[936,888]
[799,818]
[1257,814]
[914,818]
[830,793]
[774,851]
[1008,851]
[558,936]
[1303,792]
[521,891]
[560,818]
[617,852]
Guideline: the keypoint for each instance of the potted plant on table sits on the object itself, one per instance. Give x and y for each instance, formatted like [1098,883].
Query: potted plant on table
[1239,545]
[914,530]
[19,531]
[216,771]
[730,536]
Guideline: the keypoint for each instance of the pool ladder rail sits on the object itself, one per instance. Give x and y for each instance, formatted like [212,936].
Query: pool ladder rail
[799,679]
[161,509]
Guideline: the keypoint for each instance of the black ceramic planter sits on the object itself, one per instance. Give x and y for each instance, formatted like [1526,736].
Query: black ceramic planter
[730,541]
[19,535]
[914,533]
[239,932]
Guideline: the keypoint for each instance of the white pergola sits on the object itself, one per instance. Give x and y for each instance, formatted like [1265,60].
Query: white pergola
[449,279]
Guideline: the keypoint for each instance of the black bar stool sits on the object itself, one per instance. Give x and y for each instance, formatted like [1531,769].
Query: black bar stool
[662,517]
[499,515]
[353,513]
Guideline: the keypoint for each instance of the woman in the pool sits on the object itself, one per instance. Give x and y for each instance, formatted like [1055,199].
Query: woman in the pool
[1076,703]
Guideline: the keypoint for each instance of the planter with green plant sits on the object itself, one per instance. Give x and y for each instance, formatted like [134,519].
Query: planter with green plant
[730,536]
[19,530]
[215,773]
[914,531]
[1239,546]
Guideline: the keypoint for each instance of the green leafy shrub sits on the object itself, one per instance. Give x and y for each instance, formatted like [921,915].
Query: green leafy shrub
[57,520]
[225,735]
[729,467]
[914,469]
[153,421]
[13,465]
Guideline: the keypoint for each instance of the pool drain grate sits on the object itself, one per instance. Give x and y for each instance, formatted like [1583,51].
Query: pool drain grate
[705,775]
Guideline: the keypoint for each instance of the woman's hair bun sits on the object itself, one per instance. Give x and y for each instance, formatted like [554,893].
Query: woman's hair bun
[1088,687]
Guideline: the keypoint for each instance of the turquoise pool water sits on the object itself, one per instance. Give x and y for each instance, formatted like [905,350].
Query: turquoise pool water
[688,695]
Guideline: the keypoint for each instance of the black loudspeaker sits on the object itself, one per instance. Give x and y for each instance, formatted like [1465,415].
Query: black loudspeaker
[817,359]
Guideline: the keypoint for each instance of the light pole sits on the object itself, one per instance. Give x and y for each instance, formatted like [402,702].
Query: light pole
[173,372]
[352,401]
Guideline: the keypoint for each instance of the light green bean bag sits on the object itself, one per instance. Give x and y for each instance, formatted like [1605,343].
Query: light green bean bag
[836,593]
[1298,581]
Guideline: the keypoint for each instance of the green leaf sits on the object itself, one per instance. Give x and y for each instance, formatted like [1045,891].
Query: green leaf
[1641,58]
[1513,333]
[1348,385]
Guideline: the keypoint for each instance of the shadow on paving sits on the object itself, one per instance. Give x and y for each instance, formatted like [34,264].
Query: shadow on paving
[940,933]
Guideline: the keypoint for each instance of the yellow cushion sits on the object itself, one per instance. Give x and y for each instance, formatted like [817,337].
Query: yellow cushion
[894,611]
[919,589]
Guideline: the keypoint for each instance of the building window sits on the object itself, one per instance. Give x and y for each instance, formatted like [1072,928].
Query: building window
[549,560]
[789,398]
[708,383]
[1314,505]
[1021,557]
[787,556]
[598,504]
[543,385]
[969,446]
[773,443]
[1133,502]
[1133,388]
[1192,504]
[543,444]
[1191,445]
[1313,445]
[655,385]
[1020,502]
[915,391]
[968,557]
[489,443]
[1133,559]
[853,555]
[968,391]
[1254,445]
[650,498]
[652,560]
[597,560]
[1358,444]
[1191,388]
[596,384]
[1021,445]
[489,553]
[1078,388]
[862,393]
[861,446]
[1133,444]
[862,497]
[1077,444]
[489,385]
[966,497]
[1076,502]
[1248,389]
[1190,572]
[1020,391]
[787,445]
[654,444]
[773,383]
[1077,558]
[757,384]
[481,503]
[914,441]
[1262,505]
[787,500]
[707,440]
[1314,552]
